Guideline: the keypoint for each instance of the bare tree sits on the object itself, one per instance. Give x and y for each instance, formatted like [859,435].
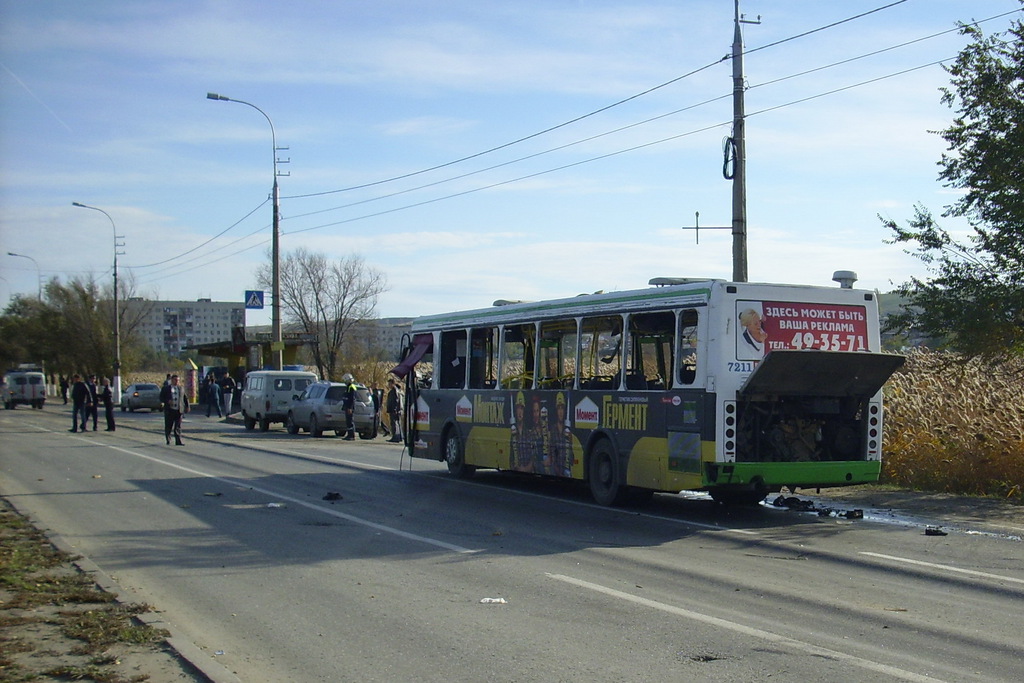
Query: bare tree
[326,299]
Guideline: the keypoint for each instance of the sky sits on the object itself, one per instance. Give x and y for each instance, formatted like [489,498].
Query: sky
[469,150]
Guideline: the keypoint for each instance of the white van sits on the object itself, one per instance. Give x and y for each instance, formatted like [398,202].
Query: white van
[268,394]
[26,386]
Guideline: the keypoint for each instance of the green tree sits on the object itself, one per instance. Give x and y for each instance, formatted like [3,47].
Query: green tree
[71,329]
[973,298]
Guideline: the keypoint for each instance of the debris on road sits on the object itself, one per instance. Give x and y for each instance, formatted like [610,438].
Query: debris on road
[794,503]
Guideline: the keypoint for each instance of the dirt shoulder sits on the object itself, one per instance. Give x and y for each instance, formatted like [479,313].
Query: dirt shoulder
[50,624]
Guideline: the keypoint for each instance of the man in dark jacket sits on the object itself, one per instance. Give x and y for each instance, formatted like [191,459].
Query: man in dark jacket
[80,402]
[94,401]
[227,391]
[393,405]
[212,397]
[107,399]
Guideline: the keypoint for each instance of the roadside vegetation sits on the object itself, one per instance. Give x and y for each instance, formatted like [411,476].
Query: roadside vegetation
[55,624]
[956,425]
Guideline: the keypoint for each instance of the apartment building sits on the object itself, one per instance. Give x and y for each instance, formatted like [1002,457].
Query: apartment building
[171,326]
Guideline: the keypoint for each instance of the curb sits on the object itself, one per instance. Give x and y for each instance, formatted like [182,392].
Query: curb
[188,652]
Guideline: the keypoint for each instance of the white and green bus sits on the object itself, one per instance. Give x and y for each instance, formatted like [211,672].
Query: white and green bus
[733,388]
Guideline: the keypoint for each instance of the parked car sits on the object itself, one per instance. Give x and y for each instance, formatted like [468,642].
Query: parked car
[139,396]
[319,409]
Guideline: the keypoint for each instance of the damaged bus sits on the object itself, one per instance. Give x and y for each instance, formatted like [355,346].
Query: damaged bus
[733,388]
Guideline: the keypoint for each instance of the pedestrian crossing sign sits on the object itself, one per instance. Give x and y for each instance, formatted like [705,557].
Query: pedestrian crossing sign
[254,298]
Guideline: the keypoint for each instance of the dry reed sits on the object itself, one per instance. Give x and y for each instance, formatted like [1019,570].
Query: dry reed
[955,426]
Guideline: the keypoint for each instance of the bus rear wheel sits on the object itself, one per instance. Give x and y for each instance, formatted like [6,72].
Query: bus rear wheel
[455,457]
[606,484]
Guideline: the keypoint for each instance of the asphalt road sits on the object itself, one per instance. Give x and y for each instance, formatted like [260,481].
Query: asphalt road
[408,574]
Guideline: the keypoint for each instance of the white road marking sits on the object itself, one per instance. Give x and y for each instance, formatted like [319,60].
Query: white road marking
[624,511]
[304,503]
[750,631]
[944,567]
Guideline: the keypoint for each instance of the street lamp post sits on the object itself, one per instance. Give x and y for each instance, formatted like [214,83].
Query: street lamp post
[277,345]
[39,274]
[117,309]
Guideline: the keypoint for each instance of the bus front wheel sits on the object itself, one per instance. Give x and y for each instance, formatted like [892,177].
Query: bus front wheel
[606,484]
[455,457]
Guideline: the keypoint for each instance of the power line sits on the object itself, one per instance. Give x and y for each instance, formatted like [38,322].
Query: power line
[509,144]
[823,28]
[513,161]
[581,162]
[643,122]
[610,154]
[588,115]
[200,246]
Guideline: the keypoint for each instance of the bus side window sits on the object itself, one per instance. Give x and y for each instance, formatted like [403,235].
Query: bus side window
[557,354]
[452,365]
[649,362]
[600,347]
[483,358]
[688,347]
[517,357]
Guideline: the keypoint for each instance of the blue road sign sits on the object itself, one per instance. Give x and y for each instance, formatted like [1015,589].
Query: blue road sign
[254,298]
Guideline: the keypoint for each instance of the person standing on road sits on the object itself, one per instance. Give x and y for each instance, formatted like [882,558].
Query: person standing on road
[79,402]
[175,405]
[94,404]
[393,405]
[64,388]
[349,405]
[107,399]
[227,391]
[212,397]
[375,399]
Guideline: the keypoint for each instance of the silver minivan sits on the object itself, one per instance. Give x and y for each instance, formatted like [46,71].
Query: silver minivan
[268,394]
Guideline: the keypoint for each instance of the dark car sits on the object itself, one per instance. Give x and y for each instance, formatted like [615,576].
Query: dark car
[320,408]
[141,395]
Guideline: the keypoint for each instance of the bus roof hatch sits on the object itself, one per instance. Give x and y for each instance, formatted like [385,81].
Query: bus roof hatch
[820,373]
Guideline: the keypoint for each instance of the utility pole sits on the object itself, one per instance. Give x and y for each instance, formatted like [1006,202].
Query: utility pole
[736,154]
[739,150]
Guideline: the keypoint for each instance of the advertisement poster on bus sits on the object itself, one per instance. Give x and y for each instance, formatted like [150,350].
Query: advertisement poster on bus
[540,438]
[764,326]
